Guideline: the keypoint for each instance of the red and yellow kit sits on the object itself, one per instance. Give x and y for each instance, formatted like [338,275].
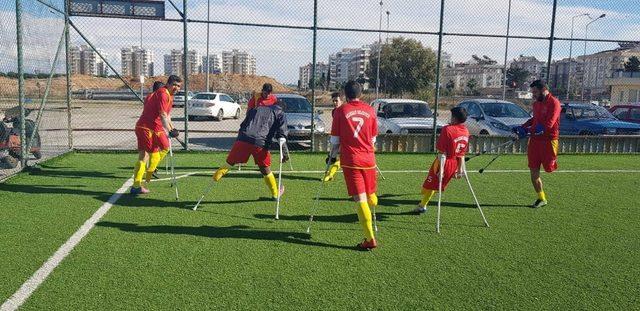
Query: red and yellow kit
[543,149]
[149,129]
[241,151]
[355,126]
[454,143]
[257,101]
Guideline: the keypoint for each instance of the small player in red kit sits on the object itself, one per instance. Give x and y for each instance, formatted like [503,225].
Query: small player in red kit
[453,142]
[353,135]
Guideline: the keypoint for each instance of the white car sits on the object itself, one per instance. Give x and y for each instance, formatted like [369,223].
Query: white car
[178,98]
[404,116]
[213,105]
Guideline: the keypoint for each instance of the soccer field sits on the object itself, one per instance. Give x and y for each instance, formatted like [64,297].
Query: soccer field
[153,252]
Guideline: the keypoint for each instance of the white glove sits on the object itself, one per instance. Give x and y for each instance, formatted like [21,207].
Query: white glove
[282,140]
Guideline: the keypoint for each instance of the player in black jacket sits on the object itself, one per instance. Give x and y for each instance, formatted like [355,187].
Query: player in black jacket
[258,130]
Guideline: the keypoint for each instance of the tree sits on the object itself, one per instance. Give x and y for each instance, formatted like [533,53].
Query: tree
[472,86]
[632,65]
[405,66]
[516,77]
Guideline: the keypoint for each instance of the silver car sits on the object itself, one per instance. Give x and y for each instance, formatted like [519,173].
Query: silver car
[493,117]
[178,98]
[298,111]
[404,116]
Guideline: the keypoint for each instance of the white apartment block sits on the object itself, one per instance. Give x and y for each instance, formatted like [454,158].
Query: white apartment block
[173,63]
[349,64]
[85,61]
[485,75]
[238,62]
[137,61]
[306,72]
[214,62]
[603,65]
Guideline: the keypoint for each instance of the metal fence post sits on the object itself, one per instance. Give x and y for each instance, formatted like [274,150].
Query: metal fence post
[438,67]
[23,138]
[313,72]
[506,55]
[551,39]
[185,69]
[67,48]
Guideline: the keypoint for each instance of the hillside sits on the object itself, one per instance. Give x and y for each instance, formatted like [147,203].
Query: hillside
[229,83]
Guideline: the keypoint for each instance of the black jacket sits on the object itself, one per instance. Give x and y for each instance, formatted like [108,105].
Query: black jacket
[262,125]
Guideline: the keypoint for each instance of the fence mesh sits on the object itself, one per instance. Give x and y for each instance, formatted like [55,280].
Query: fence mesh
[491,51]
[44,101]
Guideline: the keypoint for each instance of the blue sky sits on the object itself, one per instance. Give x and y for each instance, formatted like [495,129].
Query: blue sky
[280,52]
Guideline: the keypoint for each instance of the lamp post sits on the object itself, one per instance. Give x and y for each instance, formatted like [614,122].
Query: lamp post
[506,55]
[388,26]
[208,60]
[573,19]
[584,53]
[379,52]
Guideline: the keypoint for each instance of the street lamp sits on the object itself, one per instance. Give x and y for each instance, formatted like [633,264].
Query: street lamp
[506,54]
[379,52]
[584,53]
[388,26]
[208,63]
[573,19]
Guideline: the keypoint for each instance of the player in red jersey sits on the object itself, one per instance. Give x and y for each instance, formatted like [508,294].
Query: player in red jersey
[543,130]
[453,142]
[153,143]
[333,169]
[353,134]
[264,98]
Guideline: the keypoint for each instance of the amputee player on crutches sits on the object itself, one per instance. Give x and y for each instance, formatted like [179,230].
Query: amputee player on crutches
[153,143]
[261,125]
[453,142]
[353,133]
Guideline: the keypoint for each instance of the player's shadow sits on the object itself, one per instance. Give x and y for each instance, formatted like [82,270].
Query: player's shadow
[284,176]
[346,218]
[383,201]
[232,202]
[231,232]
[58,173]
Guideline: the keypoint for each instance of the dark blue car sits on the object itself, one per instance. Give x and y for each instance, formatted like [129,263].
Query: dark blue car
[588,119]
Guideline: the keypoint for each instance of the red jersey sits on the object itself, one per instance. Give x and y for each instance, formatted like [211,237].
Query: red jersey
[453,141]
[356,126]
[259,101]
[158,101]
[547,114]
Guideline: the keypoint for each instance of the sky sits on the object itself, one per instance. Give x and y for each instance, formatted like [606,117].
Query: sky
[280,52]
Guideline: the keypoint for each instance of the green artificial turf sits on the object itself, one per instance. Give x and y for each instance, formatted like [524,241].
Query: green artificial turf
[153,252]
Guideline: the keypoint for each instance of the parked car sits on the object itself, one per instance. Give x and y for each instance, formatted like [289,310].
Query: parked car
[298,112]
[404,116]
[493,117]
[178,98]
[587,119]
[627,113]
[213,105]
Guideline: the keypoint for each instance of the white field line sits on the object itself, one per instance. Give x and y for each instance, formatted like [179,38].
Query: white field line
[187,174]
[27,289]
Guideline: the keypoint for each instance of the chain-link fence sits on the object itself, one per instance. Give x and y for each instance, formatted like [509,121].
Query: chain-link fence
[416,60]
